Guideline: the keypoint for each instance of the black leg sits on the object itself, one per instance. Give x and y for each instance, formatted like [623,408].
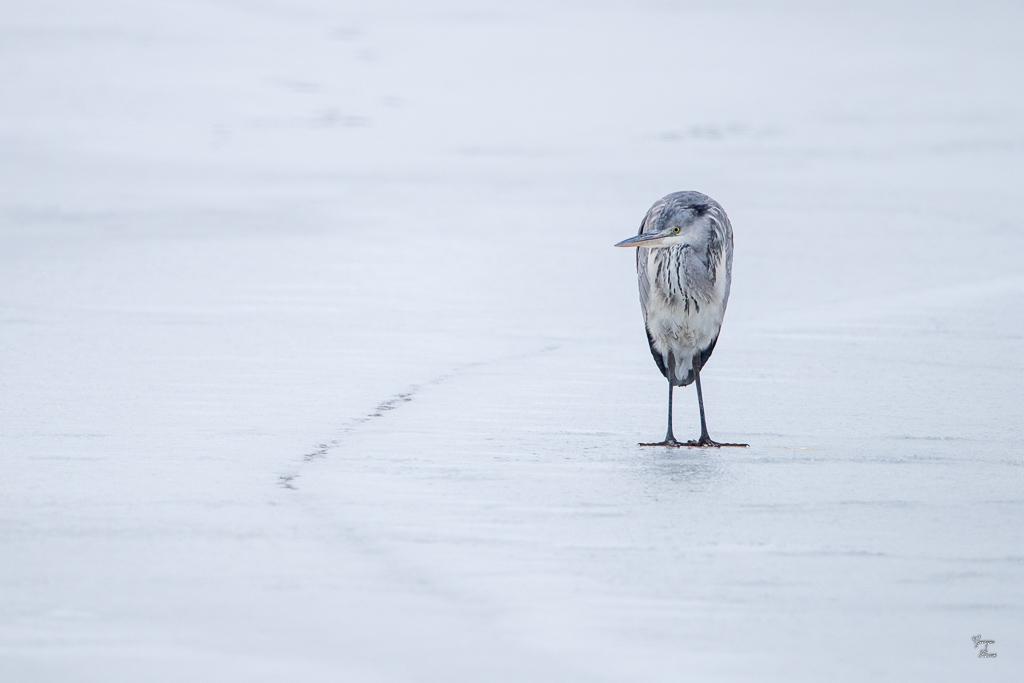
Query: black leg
[705,440]
[670,438]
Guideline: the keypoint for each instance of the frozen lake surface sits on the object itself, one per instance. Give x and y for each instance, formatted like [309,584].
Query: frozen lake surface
[316,362]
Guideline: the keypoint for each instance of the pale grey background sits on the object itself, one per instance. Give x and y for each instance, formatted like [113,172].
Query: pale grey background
[236,234]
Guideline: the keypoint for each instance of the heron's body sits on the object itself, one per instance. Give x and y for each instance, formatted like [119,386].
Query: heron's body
[684,275]
[684,288]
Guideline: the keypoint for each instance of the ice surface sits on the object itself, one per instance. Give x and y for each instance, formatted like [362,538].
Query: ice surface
[318,365]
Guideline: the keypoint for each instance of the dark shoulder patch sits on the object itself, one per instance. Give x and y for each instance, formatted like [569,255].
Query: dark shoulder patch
[706,353]
[658,358]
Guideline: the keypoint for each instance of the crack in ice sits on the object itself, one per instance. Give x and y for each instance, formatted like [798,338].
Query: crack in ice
[384,407]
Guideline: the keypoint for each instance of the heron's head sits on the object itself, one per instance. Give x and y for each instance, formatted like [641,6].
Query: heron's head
[680,219]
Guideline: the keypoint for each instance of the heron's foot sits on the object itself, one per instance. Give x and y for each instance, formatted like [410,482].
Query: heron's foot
[706,442]
[703,442]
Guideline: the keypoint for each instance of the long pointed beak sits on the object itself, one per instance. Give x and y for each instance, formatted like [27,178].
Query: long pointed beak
[646,239]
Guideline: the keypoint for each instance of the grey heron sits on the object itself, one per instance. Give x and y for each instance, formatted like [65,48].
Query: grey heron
[684,268]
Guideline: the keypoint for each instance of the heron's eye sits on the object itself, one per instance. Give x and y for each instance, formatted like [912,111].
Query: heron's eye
[675,231]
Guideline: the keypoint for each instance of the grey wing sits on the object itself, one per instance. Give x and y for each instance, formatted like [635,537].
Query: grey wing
[641,275]
[642,253]
[719,251]
[642,280]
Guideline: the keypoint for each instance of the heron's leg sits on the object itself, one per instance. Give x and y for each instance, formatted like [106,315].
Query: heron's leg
[705,440]
[670,438]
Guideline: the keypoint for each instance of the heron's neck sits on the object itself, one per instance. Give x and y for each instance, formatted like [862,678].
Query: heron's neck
[679,273]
